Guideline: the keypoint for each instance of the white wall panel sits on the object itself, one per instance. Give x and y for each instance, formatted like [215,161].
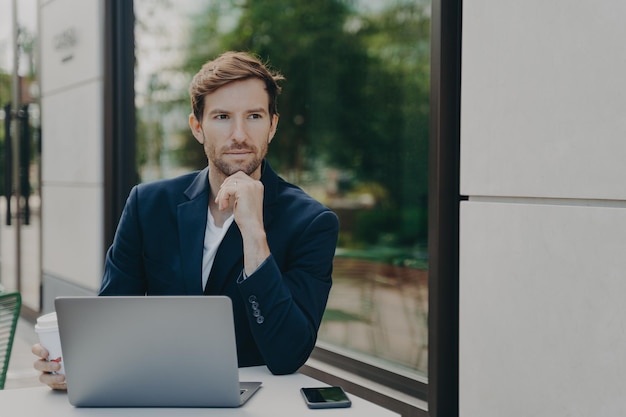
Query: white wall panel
[542,311]
[72,149]
[73,234]
[544,98]
[71,43]
[72,68]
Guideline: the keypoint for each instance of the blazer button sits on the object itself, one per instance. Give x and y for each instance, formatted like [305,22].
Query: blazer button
[255,305]
[256,313]
[260,319]
[252,299]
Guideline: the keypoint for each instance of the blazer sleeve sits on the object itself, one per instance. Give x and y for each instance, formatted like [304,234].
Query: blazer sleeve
[285,309]
[123,269]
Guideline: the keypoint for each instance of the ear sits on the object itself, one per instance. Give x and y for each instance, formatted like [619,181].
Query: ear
[196,128]
[273,128]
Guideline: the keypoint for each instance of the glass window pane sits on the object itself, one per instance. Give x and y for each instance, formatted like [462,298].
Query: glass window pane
[353,132]
[20,217]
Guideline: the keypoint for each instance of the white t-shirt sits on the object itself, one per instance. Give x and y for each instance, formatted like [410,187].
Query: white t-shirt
[213,237]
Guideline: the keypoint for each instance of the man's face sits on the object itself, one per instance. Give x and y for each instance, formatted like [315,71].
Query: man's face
[236,127]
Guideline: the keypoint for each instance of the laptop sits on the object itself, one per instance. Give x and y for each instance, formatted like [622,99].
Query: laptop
[151,351]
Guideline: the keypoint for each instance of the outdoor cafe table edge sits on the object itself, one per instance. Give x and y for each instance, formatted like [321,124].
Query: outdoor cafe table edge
[278,396]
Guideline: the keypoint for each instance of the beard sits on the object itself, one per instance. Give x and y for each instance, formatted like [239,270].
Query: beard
[227,169]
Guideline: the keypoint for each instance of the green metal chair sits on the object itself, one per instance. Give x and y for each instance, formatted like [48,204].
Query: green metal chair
[10,305]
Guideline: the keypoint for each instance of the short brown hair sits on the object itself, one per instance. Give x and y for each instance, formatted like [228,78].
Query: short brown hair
[227,68]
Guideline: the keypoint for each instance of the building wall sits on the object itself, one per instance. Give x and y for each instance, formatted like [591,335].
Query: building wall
[543,234]
[72,146]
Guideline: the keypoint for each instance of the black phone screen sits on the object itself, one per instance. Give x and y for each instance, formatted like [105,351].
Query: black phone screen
[326,397]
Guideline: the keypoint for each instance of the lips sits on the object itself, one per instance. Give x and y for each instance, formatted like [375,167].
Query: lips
[238,151]
[237,155]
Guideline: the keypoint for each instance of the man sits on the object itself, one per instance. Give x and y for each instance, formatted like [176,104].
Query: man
[235,228]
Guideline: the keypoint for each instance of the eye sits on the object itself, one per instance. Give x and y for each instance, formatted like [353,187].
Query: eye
[221,117]
[255,116]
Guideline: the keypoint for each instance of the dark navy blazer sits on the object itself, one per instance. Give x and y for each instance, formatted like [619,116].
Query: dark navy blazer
[157,250]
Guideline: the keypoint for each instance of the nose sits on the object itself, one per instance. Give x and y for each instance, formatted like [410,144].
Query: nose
[239,133]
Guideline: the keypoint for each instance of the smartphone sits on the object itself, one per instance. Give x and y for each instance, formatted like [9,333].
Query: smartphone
[325,397]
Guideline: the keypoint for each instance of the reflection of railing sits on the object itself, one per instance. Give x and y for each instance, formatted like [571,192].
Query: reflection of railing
[380,309]
[387,274]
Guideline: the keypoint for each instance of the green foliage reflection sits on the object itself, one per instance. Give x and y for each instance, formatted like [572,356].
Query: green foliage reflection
[354,110]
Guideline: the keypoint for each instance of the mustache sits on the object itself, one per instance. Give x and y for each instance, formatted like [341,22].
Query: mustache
[239,147]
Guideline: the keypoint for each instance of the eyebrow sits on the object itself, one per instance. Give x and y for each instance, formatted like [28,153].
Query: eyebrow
[258,110]
[253,110]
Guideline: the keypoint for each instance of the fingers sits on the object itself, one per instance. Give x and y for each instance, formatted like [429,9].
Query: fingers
[227,194]
[42,365]
[54,381]
[39,351]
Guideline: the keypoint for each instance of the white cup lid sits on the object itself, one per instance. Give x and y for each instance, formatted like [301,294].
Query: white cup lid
[47,321]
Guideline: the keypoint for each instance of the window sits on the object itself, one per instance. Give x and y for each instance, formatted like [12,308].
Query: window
[354,132]
[20,148]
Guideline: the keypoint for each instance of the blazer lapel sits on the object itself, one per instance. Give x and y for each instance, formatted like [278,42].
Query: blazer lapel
[192,218]
[269,178]
[228,262]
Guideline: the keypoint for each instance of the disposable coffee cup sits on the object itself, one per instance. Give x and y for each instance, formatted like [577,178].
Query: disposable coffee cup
[48,332]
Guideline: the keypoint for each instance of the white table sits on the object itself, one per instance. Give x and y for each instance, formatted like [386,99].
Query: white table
[279,396]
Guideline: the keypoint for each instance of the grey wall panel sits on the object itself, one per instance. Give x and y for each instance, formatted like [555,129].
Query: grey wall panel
[543,99]
[542,312]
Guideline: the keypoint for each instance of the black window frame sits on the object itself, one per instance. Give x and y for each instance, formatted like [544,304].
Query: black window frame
[120,173]
[444,204]
[440,390]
